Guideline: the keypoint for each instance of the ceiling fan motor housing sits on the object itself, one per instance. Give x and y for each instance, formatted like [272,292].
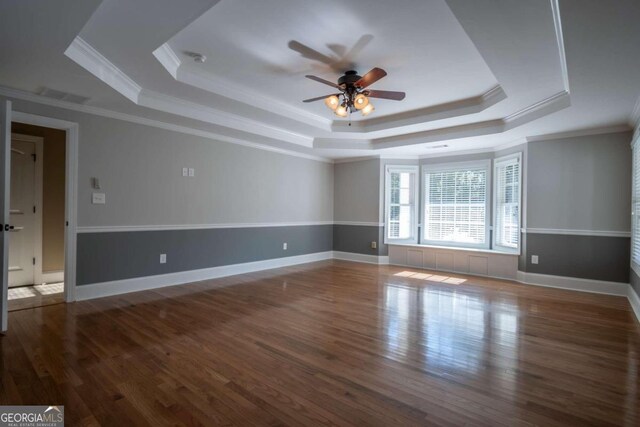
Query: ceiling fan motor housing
[349,79]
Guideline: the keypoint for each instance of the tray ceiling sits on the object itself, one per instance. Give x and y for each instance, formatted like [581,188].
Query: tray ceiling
[472,71]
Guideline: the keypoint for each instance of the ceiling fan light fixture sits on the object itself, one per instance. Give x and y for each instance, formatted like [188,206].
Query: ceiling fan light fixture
[360,101]
[341,111]
[332,102]
[368,109]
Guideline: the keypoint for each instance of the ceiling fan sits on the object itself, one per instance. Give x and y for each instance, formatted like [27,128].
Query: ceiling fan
[354,95]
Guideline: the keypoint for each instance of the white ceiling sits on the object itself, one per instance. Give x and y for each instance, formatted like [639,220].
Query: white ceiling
[247,44]
[477,74]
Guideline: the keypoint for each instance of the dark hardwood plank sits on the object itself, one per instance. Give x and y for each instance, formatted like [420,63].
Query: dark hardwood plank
[331,343]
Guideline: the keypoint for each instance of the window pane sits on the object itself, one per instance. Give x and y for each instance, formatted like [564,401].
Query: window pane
[455,206]
[507,227]
[400,213]
[405,195]
[395,195]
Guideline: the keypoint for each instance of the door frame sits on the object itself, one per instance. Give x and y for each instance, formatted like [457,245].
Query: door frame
[38,143]
[71,191]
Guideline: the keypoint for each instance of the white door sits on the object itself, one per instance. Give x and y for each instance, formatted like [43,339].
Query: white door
[5,168]
[22,212]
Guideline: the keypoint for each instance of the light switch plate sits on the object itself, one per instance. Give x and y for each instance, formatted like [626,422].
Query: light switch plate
[192,172]
[98,198]
[185,171]
[163,258]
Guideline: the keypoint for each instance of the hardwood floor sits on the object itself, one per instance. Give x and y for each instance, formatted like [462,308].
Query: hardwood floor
[25,297]
[331,343]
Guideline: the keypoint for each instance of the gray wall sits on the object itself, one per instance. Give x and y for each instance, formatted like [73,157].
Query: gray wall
[123,255]
[357,187]
[581,183]
[140,170]
[357,191]
[586,257]
[358,238]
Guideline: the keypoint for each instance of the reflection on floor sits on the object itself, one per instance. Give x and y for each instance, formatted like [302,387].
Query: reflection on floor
[331,343]
[35,296]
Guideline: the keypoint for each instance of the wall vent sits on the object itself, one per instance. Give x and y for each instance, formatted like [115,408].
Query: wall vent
[63,96]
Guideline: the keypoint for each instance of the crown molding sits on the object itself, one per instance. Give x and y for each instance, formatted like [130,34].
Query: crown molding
[103,112]
[549,105]
[356,159]
[90,59]
[555,102]
[580,132]
[168,58]
[494,149]
[86,56]
[214,84]
[181,107]
[557,23]
[447,110]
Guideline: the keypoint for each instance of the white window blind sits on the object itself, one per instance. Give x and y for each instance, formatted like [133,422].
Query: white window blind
[401,195]
[635,208]
[455,206]
[507,201]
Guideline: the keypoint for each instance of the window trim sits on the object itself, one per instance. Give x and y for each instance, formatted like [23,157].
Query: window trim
[387,202]
[496,162]
[453,166]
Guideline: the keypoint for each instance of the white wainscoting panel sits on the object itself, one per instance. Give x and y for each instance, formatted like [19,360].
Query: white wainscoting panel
[481,263]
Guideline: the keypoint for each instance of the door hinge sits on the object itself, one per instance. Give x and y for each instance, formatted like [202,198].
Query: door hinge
[33,156]
[34,260]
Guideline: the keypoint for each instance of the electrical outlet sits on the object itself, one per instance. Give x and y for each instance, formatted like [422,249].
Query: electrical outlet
[284,246]
[192,172]
[163,258]
[534,259]
[98,198]
[374,245]
[185,172]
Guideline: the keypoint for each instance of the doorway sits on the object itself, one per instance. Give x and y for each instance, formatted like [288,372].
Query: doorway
[37,216]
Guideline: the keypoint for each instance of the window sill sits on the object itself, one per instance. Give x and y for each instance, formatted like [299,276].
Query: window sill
[457,248]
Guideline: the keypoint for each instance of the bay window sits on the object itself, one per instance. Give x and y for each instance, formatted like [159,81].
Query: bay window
[455,202]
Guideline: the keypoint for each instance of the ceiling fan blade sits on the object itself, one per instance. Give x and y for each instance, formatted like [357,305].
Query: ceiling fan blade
[310,53]
[319,98]
[386,94]
[319,80]
[358,46]
[371,77]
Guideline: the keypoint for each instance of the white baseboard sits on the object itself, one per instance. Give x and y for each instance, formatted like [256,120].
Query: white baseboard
[369,259]
[634,300]
[574,283]
[117,287]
